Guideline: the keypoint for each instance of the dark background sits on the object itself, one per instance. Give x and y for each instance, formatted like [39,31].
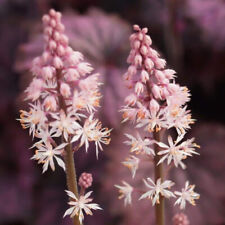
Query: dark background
[191,37]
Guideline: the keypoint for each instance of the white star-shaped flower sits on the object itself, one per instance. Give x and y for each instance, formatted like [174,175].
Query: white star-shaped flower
[79,205]
[187,194]
[125,192]
[156,189]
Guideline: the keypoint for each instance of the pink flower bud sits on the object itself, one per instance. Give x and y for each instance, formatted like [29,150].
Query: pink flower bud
[131,99]
[149,64]
[34,89]
[153,106]
[52,12]
[65,90]
[57,62]
[136,27]
[46,56]
[58,16]
[138,60]
[56,36]
[50,103]
[139,88]
[169,73]
[131,70]
[148,40]
[144,76]
[61,50]
[52,23]
[137,44]
[45,19]
[72,74]
[145,30]
[60,27]
[180,219]
[144,50]
[156,91]
[153,53]
[160,76]
[48,31]
[52,45]
[47,72]
[160,63]
[173,88]
[85,180]
[140,36]
[64,39]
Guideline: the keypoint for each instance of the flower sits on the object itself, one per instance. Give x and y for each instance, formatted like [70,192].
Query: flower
[157,189]
[92,131]
[176,152]
[125,192]
[64,124]
[187,194]
[132,164]
[46,154]
[140,146]
[33,119]
[80,204]
[180,219]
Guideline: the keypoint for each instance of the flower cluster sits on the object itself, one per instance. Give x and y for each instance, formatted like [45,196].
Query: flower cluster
[64,95]
[156,103]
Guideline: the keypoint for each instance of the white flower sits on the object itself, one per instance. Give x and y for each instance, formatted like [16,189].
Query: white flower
[140,146]
[46,154]
[176,152]
[44,134]
[92,131]
[154,122]
[187,194]
[33,119]
[80,204]
[64,124]
[157,189]
[132,164]
[125,192]
[180,118]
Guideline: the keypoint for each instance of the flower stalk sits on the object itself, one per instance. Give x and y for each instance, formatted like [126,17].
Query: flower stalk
[159,208]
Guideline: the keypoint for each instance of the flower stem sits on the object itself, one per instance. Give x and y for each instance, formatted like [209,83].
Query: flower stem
[159,208]
[71,176]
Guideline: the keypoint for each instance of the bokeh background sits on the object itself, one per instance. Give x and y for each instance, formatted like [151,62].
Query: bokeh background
[189,34]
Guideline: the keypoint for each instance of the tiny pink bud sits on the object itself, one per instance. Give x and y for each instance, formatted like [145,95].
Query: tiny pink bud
[138,60]
[136,27]
[74,58]
[140,36]
[144,50]
[50,103]
[169,73]
[131,70]
[145,30]
[52,23]
[85,180]
[48,31]
[160,76]
[131,99]
[52,12]
[139,88]
[57,62]
[144,76]
[47,72]
[58,16]
[137,44]
[153,53]
[173,88]
[65,90]
[148,40]
[46,56]
[52,45]
[60,27]
[72,74]
[61,50]
[45,19]
[64,39]
[156,91]
[153,106]
[56,36]
[180,219]
[149,64]
[160,63]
